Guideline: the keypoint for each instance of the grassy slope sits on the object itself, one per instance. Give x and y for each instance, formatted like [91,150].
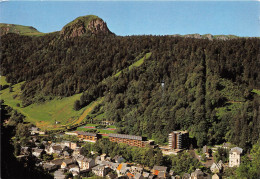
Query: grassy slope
[22,30]
[234,96]
[137,63]
[45,114]
[3,81]
[88,109]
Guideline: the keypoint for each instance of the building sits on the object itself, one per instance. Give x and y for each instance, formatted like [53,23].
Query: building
[179,140]
[160,171]
[67,162]
[100,170]
[87,136]
[234,156]
[217,167]
[37,152]
[215,176]
[131,140]
[85,163]
[197,174]
[69,144]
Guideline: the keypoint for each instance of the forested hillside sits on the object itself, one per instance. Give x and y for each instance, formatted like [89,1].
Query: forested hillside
[200,85]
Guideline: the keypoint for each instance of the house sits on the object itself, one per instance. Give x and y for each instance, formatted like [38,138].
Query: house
[103,157]
[207,151]
[57,162]
[234,156]
[114,166]
[226,145]
[160,171]
[107,163]
[134,176]
[49,167]
[186,176]
[67,162]
[85,163]
[59,174]
[54,149]
[74,169]
[122,169]
[197,174]
[98,160]
[36,130]
[66,154]
[71,145]
[215,176]
[217,167]
[77,151]
[37,152]
[135,169]
[146,174]
[118,159]
[100,170]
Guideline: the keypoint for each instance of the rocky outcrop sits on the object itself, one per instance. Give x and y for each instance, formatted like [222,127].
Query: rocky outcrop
[85,25]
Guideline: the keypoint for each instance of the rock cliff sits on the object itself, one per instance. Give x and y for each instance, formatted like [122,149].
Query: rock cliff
[85,25]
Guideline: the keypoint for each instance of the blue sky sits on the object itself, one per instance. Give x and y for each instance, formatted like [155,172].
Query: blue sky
[240,18]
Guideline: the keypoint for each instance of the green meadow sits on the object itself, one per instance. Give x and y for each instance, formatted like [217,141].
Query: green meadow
[45,114]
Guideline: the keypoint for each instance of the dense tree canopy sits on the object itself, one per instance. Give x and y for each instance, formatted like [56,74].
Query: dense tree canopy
[207,84]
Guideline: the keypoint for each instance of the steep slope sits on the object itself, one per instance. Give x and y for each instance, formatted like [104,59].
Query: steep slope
[85,25]
[207,83]
[18,29]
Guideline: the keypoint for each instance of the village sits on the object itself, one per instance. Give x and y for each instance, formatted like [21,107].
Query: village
[68,158]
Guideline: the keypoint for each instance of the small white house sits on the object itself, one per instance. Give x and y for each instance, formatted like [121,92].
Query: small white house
[234,156]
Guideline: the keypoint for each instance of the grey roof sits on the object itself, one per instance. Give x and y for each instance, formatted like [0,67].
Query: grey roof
[68,161]
[73,166]
[48,166]
[84,159]
[99,167]
[57,147]
[137,175]
[86,133]
[160,168]
[35,129]
[186,176]
[237,150]
[124,136]
[161,174]
[37,150]
[57,161]
[146,174]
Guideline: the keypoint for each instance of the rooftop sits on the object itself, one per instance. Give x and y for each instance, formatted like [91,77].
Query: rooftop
[86,133]
[124,136]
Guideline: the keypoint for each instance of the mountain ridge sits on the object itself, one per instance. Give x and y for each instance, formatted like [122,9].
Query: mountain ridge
[92,24]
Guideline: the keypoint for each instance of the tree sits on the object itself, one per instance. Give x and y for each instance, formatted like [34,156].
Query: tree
[250,168]
[76,105]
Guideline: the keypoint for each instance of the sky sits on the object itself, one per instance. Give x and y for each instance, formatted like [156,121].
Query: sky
[240,18]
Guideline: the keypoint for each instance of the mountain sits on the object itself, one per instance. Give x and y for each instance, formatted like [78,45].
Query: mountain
[83,25]
[18,29]
[147,85]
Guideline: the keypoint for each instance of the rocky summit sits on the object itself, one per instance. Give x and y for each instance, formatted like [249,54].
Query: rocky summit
[85,25]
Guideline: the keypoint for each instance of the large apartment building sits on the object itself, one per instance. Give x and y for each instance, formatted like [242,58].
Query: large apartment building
[87,136]
[178,140]
[131,140]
